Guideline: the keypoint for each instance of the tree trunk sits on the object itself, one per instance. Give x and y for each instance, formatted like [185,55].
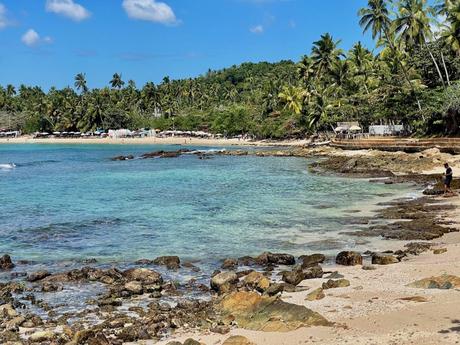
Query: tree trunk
[435,64]
[445,68]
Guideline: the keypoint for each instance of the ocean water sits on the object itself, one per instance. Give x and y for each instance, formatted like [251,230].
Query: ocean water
[71,202]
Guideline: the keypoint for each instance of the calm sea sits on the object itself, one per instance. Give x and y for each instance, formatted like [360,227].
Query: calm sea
[71,202]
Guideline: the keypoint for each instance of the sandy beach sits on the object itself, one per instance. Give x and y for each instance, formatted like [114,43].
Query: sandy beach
[152,141]
[372,310]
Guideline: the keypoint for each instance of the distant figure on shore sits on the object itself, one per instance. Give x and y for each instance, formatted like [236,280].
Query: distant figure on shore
[448,179]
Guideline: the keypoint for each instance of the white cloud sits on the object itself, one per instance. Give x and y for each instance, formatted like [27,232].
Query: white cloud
[68,8]
[31,38]
[258,29]
[3,20]
[150,10]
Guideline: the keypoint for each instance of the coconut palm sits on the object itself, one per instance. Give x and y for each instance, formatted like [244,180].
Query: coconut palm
[376,17]
[413,25]
[80,82]
[293,98]
[362,61]
[117,82]
[324,54]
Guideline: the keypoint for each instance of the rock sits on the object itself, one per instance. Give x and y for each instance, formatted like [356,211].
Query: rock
[257,281]
[443,282]
[333,284]
[220,329]
[14,323]
[98,339]
[269,314]
[382,259]
[224,282]
[369,268]
[191,341]
[274,289]
[6,263]
[50,287]
[134,287]
[238,340]
[313,272]
[174,343]
[419,299]
[143,275]
[7,310]
[39,275]
[417,248]
[229,264]
[144,262]
[439,251]
[312,260]
[348,258]
[293,277]
[315,295]
[41,336]
[335,275]
[275,259]
[171,262]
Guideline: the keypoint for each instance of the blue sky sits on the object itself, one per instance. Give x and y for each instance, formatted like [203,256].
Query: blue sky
[47,42]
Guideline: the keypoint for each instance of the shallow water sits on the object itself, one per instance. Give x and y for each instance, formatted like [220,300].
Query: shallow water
[65,203]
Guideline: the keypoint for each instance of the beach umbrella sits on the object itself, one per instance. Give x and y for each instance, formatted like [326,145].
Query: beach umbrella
[355,128]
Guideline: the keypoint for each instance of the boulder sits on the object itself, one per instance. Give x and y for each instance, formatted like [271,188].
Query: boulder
[294,277]
[312,260]
[39,275]
[98,339]
[333,284]
[134,288]
[143,275]
[384,259]
[349,258]
[257,281]
[439,251]
[443,282]
[269,314]
[238,340]
[224,282]
[268,258]
[171,262]
[41,336]
[191,341]
[229,264]
[274,289]
[313,272]
[369,268]
[6,263]
[315,295]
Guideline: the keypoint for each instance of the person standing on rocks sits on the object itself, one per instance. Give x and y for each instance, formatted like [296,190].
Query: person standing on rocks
[448,179]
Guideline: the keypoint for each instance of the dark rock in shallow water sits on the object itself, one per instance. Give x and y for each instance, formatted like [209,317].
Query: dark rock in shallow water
[229,264]
[275,259]
[349,258]
[6,263]
[171,262]
[224,282]
[123,158]
[39,275]
[312,260]
[144,262]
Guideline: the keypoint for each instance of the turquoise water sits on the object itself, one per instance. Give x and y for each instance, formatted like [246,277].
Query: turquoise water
[71,202]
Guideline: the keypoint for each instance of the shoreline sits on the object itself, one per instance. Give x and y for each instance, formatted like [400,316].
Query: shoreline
[370,310]
[153,141]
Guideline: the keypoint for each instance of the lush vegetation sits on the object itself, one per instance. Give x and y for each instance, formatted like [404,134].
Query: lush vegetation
[411,77]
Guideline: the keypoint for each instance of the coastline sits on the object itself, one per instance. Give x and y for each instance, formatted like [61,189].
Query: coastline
[370,310]
[152,141]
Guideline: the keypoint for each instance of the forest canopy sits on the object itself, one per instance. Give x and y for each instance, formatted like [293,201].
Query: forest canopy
[410,77]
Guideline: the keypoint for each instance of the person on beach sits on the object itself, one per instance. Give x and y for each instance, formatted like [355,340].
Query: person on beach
[448,179]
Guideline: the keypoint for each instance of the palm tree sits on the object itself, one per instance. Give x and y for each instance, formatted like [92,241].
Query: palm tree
[293,98]
[376,17]
[325,53]
[80,82]
[413,25]
[305,69]
[10,90]
[117,82]
[361,60]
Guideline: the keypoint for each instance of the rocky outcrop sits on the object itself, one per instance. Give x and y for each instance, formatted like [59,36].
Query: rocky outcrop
[224,282]
[270,314]
[6,263]
[349,258]
[143,275]
[257,281]
[171,262]
[384,259]
[229,264]
[443,282]
[294,277]
[39,275]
